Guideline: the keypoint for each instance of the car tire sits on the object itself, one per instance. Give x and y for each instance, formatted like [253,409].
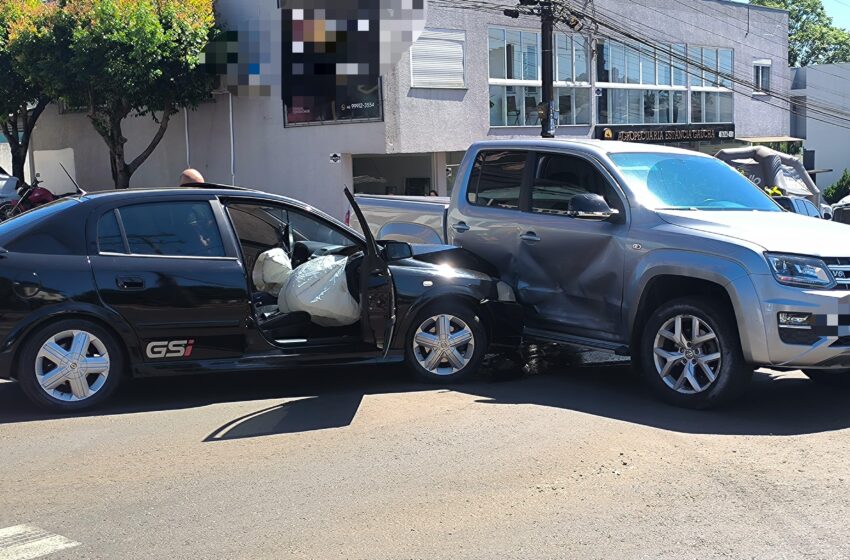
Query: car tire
[70,365]
[461,350]
[679,366]
[832,377]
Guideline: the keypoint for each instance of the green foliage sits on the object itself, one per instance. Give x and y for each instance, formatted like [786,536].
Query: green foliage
[22,96]
[124,58]
[812,37]
[840,189]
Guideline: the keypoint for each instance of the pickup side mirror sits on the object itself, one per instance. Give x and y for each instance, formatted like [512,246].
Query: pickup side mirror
[397,250]
[590,206]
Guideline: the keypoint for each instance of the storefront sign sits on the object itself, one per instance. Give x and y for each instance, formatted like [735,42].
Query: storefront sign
[667,134]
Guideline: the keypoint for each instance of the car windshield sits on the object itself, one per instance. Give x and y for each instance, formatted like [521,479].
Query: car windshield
[684,182]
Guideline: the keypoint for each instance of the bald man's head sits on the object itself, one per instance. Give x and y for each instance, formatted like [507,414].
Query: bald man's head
[191,176]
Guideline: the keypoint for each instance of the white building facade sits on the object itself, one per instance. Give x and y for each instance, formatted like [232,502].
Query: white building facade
[473,75]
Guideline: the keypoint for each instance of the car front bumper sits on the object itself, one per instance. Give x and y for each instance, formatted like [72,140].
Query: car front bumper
[825,344]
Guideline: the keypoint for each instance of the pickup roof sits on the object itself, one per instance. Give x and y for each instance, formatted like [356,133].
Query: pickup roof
[663,254]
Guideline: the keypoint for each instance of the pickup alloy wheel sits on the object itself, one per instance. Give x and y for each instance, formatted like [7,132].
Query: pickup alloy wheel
[690,353]
[447,343]
[687,355]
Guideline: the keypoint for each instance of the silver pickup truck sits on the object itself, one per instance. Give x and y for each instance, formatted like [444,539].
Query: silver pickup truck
[665,255]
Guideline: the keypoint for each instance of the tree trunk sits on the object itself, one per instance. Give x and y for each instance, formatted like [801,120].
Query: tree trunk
[20,146]
[122,172]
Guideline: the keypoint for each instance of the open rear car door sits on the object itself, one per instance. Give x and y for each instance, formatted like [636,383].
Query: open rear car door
[377,293]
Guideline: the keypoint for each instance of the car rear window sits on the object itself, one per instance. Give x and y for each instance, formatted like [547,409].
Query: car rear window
[43,231]
[109,238]
[184,229]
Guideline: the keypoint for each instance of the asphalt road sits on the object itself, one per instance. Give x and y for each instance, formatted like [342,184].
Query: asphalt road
[364,464]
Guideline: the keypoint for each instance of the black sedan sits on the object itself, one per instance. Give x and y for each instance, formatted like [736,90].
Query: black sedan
[162,281]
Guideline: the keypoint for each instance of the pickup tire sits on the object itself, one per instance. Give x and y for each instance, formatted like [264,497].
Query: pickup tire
[446,343]
[690,354]
[833,377]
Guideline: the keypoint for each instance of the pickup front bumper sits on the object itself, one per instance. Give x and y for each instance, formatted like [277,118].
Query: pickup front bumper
[823,342]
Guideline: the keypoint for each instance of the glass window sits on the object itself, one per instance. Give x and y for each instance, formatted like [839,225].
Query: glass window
[582,98]
[647,65]
[709,63]
[513,104]
[603,60]
[695,60]
[513,52]
[109,238]
[664,69]
[558,178]
[186,229]
[725,67]
[497,54]
[650,107]
[619,106]
[632,65]
[499,179]
[696,106]
[726,109]
[565,106]
[582,65]
[679,72]
[533,98]
[618,63]
[498,115]
[664,107]
[680,107]
[635,97]
[529,56]
[689,182]
[762,78]
[564,53]
[709,112]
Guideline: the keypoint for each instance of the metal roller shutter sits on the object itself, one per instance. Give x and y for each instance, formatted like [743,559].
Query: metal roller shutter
[437,59]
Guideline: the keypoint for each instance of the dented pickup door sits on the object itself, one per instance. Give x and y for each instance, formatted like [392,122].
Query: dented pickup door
[567,271]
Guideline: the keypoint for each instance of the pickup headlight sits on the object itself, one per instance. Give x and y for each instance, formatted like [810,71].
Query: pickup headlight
[801,272]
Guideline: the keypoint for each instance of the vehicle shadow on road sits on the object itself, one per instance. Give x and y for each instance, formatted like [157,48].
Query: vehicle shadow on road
[776,404]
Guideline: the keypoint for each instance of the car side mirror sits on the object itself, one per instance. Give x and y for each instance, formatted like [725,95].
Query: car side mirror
[588,206]
[397,250]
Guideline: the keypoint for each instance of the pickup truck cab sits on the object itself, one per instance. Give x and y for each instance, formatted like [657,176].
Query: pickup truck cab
[663,254]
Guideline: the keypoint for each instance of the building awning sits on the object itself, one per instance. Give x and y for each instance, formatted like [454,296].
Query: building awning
[769,139]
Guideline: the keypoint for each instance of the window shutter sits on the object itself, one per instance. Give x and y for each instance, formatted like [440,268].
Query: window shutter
[437,59]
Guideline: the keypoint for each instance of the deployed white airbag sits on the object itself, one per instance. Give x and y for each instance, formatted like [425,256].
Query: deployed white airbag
[320,288]
[271,271]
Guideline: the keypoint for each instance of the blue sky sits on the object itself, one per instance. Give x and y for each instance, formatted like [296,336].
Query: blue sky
[839,11]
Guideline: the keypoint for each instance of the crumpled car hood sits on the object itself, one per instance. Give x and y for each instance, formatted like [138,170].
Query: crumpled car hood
[780,232]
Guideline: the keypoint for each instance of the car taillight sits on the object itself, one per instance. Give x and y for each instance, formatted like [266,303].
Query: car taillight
[348,218]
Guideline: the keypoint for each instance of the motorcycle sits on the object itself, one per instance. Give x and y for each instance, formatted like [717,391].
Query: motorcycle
[29,197]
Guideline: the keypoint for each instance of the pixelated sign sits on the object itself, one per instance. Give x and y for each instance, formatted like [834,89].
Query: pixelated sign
[323,57]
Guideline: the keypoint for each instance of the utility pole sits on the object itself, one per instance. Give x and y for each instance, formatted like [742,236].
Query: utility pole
[548,36]
[543,9]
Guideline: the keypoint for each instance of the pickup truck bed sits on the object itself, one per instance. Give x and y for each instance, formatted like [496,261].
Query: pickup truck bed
[414,219]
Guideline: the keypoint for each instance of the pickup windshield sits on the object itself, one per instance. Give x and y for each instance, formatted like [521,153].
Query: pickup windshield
[683,182]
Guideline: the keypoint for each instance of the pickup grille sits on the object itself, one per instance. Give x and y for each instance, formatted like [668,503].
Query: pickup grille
[840,268]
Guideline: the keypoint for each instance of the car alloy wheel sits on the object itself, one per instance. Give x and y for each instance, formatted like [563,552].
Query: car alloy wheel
[72,366]
[443,345]
[687,354]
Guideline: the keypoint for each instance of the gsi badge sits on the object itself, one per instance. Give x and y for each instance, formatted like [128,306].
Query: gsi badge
[173,349]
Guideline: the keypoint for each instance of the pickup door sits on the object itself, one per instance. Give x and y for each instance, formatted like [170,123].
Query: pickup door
[567,272]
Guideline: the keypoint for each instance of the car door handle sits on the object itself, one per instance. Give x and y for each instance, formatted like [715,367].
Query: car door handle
[460,227]
[130,283]
[530,236]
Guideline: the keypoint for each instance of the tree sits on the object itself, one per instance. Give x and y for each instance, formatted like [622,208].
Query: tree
[134,58]
[812,39]
[22,99]
[840,189]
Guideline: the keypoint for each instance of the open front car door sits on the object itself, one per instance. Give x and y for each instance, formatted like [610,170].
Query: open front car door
[377,293]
